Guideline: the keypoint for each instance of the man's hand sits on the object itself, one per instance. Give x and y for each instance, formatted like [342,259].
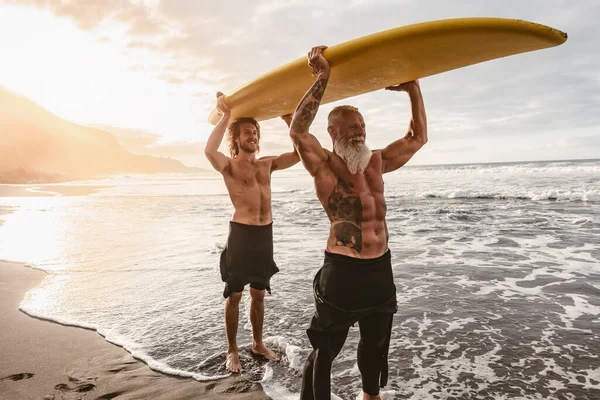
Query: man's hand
[221,106]
[317,62]
[404,87]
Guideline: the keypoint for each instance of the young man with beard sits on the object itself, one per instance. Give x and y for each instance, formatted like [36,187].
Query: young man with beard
[356,282]
[248,254]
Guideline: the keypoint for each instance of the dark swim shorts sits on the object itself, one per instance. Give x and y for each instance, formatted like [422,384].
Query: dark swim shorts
[248,258]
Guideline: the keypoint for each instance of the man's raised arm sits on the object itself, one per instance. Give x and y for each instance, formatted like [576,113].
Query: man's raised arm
[311,152]
[397,153]
[218,160]
[285,160]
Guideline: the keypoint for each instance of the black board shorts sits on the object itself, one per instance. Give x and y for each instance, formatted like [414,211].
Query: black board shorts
[248,258]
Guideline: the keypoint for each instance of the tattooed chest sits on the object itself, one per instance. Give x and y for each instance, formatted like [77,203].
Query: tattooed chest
[346,212]
[344,205]
[345,208]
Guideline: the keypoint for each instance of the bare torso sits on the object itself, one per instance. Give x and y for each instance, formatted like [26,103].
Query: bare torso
[249,187]
[355,205]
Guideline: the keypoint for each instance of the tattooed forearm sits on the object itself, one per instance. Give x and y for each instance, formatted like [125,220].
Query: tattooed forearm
[309,105]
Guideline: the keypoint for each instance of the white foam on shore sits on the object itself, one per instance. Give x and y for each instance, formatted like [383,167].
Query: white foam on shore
[579,308]
[278,392]
[405,293]
[425,384]
[127,345]
[458,323]
[292,352]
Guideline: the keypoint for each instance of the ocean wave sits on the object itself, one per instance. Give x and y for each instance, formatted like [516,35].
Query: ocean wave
[543,195]
[560,167]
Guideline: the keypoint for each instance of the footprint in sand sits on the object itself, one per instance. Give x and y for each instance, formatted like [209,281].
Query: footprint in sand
[239,387]
[109,396]
[17,377]
[86,387]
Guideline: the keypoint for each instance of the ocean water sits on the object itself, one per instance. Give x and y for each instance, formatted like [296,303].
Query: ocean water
[497,268]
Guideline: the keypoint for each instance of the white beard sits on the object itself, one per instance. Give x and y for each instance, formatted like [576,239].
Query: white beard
[356,155]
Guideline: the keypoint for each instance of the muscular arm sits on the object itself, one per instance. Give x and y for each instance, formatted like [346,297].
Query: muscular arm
[311,152]
[218,160]
[285,160]
[397,153]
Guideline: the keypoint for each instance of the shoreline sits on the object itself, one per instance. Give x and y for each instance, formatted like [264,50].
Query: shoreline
[46,360]
[48,190]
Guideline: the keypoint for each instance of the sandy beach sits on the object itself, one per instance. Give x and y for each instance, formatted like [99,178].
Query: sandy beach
[45,360]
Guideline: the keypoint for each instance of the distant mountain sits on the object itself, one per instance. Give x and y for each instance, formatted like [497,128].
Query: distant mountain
[38,146]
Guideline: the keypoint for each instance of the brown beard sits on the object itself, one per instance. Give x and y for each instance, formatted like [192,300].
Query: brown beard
[356,155]
[244,146]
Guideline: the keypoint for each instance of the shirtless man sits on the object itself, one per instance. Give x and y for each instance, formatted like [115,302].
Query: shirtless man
[248,254]
[355,283]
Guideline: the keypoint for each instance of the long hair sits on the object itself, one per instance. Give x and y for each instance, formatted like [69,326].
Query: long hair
[233,132]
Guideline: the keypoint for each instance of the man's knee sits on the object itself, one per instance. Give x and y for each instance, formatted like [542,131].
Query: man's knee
[257,294]
[234,298]
[374,345]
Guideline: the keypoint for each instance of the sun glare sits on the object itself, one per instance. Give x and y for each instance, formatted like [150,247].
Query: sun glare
[36,233]
[92,77]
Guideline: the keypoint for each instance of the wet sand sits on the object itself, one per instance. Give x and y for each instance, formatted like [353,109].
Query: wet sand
[45,360]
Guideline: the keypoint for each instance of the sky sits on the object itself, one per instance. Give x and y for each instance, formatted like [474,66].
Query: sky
[147,71]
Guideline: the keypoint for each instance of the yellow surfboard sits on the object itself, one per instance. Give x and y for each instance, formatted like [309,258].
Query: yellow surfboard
[390,57]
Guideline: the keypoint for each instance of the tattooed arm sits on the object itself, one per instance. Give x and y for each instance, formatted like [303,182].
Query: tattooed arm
[218,160]
[311,152]
[399,152]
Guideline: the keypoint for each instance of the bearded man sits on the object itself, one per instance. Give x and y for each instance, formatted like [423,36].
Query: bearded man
[356,283]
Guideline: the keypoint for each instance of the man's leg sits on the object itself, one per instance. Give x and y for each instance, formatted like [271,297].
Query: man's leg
[316,378]
[372,349]
[257,315]
[232,313]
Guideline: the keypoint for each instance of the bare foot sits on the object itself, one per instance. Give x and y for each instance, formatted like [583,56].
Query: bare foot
[264,351]
[233,362]
[366,396]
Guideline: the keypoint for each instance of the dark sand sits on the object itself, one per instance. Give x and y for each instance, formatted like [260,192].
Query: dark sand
[44,360]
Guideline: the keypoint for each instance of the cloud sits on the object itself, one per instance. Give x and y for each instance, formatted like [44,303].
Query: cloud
[223,45]
[578,142]
[143,45]
[172,79]
[143,25]
[89,14]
